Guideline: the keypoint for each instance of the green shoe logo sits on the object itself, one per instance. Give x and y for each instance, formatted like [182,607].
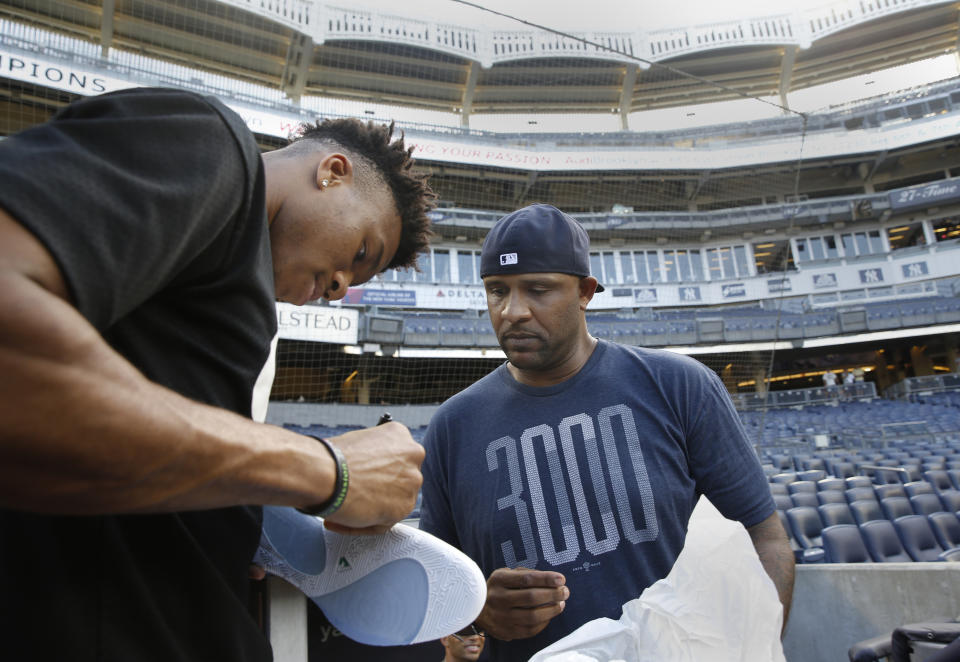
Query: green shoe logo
[343,563]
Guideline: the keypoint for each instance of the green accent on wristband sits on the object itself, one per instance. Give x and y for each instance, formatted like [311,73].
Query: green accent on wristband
[340,486]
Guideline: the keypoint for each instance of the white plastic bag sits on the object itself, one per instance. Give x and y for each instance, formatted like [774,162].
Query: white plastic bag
[716,604]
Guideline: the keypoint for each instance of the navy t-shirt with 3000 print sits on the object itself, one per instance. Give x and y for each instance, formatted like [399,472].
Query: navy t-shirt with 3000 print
[594,477]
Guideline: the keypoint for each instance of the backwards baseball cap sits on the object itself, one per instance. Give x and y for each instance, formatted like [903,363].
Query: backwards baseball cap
[536,239]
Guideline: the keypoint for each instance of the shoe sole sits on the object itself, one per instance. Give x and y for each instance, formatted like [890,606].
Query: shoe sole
[401,587]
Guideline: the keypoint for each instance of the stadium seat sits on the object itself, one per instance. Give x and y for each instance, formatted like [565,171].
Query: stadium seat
[787,477]
[892,475]
[802,486]
[883,542]
[939,479]
[781,461]
[913,473]
[950,500]
[783,501]
[813,474]
[917,537]
[843,469]
[831,496]
[806,525]
[835,513]
[843,543]
[950,555]
[859,494]
[795,547]
[894,507]
[954,475]
[807,499]
[946,528]
[897,646]
[883,491]
[858,481]
[918,487]
[834,484]
[778,488]
[924,504]
[866,510]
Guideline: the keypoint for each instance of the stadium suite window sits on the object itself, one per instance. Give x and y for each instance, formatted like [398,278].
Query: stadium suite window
[904,236]
[670,271]
[653,265]
[441,266]
[773,256]
[609,268]
[603,267]
[465,262]
[626,267]
[816,248]
[862,243]
[596,266]
[725,262]
[640,267]
[947,229]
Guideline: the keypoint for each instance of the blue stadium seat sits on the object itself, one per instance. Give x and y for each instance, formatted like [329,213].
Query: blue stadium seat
[831,496]
[924,504]
[835,513]
[843,469]
[950,500]
[813,468]
[954,475]
[794,545]
[888,490]
[458,332]
[939,479]
[858,481]
[917,537]
[894,507]
[866,510]
[843,543]
[946,529]
[860,494]
[883,542]
[783,502]
[778,488]
[806,525]
[802,486]
[918,487]
[808,499]
[834,484]
[787,477]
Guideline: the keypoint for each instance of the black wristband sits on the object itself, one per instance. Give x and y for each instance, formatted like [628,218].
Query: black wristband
[332,505]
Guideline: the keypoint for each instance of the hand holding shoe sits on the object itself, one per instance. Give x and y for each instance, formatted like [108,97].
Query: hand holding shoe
[384,464]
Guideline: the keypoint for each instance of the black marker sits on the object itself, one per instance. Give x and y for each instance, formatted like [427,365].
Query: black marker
[386,418]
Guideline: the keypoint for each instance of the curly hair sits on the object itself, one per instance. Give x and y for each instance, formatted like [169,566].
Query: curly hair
[377,161]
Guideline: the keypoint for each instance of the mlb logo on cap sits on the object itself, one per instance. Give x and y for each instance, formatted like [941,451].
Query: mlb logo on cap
[508,258]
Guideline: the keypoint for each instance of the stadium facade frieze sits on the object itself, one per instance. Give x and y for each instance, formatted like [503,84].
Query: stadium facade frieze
[86,77]
[324,22]
[878,278]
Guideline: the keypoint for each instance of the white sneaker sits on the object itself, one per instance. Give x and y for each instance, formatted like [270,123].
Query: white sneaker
[401,587]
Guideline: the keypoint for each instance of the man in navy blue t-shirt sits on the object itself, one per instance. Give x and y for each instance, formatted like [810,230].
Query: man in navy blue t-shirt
[570,472]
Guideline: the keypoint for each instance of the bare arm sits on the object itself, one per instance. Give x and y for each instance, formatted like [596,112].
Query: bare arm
[773,548]
[83,432]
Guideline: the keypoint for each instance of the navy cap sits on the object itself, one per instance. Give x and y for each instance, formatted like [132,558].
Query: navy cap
[536,239]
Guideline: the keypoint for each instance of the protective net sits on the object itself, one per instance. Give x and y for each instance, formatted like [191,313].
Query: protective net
[737,212]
